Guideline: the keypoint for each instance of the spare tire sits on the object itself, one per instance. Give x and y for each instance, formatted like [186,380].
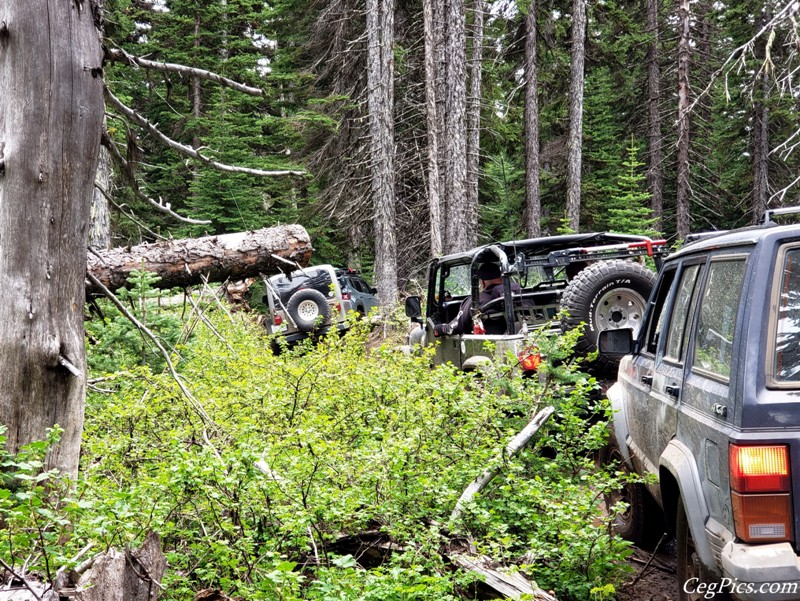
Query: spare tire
[603,296]
[308,309]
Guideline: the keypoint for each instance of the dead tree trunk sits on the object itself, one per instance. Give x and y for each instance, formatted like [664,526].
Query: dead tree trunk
[533,201]
[51,116]
[188,262]
[575,139]
[655,177]
[683,184]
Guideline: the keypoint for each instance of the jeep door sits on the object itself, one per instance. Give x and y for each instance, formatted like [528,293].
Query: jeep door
[706,408]
[653,378]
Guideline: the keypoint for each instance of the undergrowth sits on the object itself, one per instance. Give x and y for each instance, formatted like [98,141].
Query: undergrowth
[257,483]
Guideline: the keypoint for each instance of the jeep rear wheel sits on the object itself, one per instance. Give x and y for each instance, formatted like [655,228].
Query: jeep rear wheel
[603,296]
[308,308]
[641,522]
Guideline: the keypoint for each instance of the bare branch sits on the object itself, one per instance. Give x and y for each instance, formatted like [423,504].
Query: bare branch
[738,55]
[120,56]
[129,214]
[146,331]
[188,150]
[156,204]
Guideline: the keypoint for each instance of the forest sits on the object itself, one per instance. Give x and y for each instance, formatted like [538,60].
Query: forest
[422,129]
[162,432]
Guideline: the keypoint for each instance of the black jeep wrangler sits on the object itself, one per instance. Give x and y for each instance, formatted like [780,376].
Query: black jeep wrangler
[708,402]
[595,277]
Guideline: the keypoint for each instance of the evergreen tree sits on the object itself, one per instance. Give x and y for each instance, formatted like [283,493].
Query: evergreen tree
[628,208]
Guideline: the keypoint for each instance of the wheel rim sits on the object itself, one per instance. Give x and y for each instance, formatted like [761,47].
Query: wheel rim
[620,308]
[308,310]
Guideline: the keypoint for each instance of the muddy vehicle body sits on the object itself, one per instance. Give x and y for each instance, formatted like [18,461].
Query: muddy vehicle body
[707,403]
[597,277]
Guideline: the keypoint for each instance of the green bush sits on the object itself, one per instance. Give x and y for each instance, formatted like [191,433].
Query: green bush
[255,481]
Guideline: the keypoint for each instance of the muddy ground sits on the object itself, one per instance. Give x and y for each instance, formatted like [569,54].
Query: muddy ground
[653,578]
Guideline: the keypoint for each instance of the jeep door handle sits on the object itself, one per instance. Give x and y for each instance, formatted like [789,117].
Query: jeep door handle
[648,380]
[673,390]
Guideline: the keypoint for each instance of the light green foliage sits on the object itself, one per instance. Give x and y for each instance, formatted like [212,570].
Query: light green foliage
[36,509]
[255,484]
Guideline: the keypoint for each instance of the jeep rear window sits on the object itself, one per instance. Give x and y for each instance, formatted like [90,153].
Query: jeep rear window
[787,334]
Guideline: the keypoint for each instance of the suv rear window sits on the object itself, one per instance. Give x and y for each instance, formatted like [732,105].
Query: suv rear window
[786,354]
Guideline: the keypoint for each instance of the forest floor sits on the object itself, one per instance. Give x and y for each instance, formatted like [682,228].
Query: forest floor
[654,579]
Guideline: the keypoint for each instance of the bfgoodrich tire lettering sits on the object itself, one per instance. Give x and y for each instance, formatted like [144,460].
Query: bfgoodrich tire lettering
[309,309]
[606,295]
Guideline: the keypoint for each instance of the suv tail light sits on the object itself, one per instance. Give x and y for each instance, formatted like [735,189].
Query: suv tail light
[277,320]
[345,296]
[760,492]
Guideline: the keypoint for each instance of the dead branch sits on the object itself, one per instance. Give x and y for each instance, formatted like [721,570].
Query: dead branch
[120,56]
[128,172]
[512,448]
[188,150]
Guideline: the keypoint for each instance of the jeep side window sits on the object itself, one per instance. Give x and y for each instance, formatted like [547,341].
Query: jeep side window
[786,356]
[715,328]
[676,346]
[657,321]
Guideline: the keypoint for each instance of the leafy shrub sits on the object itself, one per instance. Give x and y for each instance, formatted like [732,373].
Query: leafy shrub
[258,480]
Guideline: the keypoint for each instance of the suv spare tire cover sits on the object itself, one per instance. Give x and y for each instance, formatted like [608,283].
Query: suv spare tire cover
[306,306]
[606,295]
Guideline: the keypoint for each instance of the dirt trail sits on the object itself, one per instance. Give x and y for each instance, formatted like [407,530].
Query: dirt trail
[656,582]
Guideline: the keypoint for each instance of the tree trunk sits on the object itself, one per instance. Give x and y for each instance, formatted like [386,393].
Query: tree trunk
[380,101]
[575,139]
[683,184]
[431,109]
[760,129]
[51,116]
[455,192]
[474,123]
[186,262]
[99,214]
[533,201]
[655,173]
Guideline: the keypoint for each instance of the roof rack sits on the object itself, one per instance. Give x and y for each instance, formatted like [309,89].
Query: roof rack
[652,248]
[769,213]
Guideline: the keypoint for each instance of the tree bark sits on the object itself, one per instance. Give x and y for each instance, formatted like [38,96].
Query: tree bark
[474,123]
[100,214]
[533,201]
[683,184]
[51,115]
[655,173]
[455,192]
[760,129]
[187,262]
[431,109]
[575,140]
[380,102]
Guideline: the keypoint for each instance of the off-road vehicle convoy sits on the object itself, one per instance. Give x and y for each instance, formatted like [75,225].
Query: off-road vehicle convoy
[598,278]
[708,402]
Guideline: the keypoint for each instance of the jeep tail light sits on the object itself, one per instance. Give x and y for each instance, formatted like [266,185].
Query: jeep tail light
[277,320]
[760,492]
[529,359]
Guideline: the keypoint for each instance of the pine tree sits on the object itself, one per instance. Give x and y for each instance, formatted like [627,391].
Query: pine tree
[628,208]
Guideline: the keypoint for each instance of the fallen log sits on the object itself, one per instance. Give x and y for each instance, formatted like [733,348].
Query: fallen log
[189,261]
[507,583]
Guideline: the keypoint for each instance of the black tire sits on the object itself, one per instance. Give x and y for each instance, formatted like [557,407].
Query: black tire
[688,566]
[606,295]
[643,522]
[309,309]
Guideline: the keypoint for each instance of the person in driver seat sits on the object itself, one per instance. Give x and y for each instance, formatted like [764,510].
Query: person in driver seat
[491,283]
